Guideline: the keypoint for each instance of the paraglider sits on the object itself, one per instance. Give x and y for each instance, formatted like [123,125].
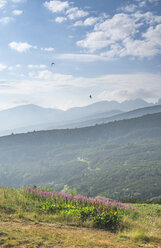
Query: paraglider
[52,63]
[90,97]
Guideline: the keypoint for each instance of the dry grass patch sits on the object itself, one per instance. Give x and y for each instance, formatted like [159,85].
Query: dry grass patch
[52,235]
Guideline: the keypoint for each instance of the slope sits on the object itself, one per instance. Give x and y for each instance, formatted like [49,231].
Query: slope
[115,160]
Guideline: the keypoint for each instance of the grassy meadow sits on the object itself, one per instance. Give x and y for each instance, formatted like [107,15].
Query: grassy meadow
[28,219]
[36,218]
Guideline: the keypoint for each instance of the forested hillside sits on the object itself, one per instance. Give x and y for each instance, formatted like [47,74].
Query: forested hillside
[118,159]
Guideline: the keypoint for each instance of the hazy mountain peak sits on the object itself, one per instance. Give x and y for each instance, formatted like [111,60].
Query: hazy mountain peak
[32,116]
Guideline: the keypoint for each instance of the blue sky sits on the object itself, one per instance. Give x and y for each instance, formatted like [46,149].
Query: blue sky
[110,49]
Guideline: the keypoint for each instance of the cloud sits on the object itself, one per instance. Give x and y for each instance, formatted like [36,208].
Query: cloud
[3,3]
[20,46]
[88,22]
[10,68]
[115,51]
[57,79]
[70,12]
[56,6]
[131,86]
[44,86]
[148,18]
[123,95]
[153,35]
[36,66]
[17,12]
[18,66]
[139,48]
[129,8]
[139,93]
[111,82]
[119,27]
[42,75]
[116,36]
[148,47]
[5,20]
[47,49]
[75,13]
[143,3]
[18,1]
[60,19]
[81,57]
[2,67]
[94,41]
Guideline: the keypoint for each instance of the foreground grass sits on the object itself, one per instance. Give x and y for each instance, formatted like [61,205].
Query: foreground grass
[22,226]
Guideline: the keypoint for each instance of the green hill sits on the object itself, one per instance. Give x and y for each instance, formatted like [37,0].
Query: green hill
[118,159]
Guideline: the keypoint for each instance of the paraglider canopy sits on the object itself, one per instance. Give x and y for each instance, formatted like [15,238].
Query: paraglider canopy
[52,63]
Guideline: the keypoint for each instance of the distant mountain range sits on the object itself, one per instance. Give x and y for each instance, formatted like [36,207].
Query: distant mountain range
[31,117]
[122,116]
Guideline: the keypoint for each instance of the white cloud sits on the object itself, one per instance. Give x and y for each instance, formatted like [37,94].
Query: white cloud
[20,46]
[44,86]
[148,47]
[70,12]
[18,1]
[116,36]
[60,19]
[79,23]
[123,95]
[118,27]
[42,75]
[153,35]
[81,57]
[130,86]
[94,41]
[75,12]
[17,12]
[115,29]
[114,51]
[3,3]
[18,66]
[2,67]
[143,3]
[153,1]
[148,18]
[56,78]
[36,66]
[139,48]
[129,8]
[47,49]
[10,68]
[56,6]
[5,20]
[88,22]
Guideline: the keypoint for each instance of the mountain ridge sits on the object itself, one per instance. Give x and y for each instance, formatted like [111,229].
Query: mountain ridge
[32,117]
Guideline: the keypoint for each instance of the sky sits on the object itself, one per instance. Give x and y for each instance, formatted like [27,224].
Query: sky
[110,49]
